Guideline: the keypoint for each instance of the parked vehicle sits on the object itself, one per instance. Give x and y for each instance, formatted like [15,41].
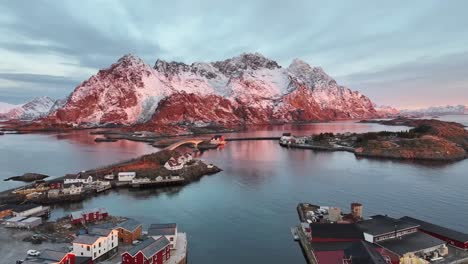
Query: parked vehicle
[33,253]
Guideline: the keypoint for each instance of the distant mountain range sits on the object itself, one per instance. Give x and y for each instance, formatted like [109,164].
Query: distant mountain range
[243,90]
[36,108]
[247,89]
[437,110]
[173,96]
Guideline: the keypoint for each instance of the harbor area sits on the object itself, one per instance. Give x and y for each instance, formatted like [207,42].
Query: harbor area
[93,236]
[329,236]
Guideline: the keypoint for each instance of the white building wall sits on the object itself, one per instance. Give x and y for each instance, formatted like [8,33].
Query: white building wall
[369,237]
[99,248]
[126,176]
[29,212]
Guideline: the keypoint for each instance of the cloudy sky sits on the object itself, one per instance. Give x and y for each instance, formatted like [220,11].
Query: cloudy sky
[402,53]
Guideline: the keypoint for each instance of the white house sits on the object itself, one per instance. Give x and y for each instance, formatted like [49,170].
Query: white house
[300,140]
[287,140]
[126,176]
[185,158]
[173,164]
[87,180]
[72,188]
[97,243]
[168,230]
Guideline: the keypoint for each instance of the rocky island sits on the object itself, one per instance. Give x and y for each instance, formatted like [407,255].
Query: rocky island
[156,170]
[428,139]
[27,177]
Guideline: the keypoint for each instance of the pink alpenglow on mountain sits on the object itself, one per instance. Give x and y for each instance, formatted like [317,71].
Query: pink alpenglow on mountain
[247,89]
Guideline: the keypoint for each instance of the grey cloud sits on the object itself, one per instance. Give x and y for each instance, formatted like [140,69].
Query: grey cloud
[361,41]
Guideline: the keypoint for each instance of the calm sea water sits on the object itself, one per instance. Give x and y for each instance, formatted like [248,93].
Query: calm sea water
[243,214]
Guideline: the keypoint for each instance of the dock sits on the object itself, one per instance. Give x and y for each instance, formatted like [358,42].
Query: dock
[179,254]
[154,183]
[317,147]
[306,246]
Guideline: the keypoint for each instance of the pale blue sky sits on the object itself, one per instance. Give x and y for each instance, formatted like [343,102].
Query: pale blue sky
[401,53]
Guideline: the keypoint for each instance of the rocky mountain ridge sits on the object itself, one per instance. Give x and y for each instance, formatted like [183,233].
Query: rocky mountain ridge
[247,89]
[36,108]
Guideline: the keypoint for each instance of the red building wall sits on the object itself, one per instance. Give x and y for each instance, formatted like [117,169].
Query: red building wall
[68,257]
[90,217]
[139,258]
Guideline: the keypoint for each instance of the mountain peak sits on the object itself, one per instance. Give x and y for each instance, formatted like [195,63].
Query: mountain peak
[312,76]
[130,60]
[245,61]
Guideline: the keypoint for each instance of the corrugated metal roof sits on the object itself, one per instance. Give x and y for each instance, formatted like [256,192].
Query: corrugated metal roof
[382,224]
[162,229]
[149,247]
[86,239]
[449,233]
[411,243]
[130,225]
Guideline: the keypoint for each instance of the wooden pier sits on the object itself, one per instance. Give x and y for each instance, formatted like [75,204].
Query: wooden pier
[161,183]
[306,247]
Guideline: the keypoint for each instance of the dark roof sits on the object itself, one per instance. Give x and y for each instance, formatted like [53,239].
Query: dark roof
[24,207]
[330,246]
[363,252]
[156,246]
[162,229]
[413,242]
[130,225]
[50,254]
[382,224]
[86,239]
[99,231]
[327,230]
[436,229]
[108,225]
[149,247]
[6,207]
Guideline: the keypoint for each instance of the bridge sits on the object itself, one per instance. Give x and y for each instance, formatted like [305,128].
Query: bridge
[194,142]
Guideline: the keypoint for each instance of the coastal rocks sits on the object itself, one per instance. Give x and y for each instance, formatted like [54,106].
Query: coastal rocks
[28,177]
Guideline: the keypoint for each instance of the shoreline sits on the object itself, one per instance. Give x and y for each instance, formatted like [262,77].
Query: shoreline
[189,173]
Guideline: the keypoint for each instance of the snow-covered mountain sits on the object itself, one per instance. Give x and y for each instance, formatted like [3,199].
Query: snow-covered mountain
[37,107]
[387,111]
[247,89]
[5,107]
[438,110]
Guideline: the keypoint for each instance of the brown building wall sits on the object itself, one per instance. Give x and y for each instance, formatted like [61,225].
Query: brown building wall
[128,237]
[5,213]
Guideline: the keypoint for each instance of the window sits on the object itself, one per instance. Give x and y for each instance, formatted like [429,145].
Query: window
[172,239]
[81,253]
[88,248]
[94,254]
[99,244]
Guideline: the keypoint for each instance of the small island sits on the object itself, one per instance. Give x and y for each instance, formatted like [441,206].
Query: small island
[157,170]
[428,139]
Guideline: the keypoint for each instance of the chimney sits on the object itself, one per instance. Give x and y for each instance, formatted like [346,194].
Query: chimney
[356,210]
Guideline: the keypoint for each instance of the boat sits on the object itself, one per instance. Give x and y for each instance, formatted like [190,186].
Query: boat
[294,233]
[109,176]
